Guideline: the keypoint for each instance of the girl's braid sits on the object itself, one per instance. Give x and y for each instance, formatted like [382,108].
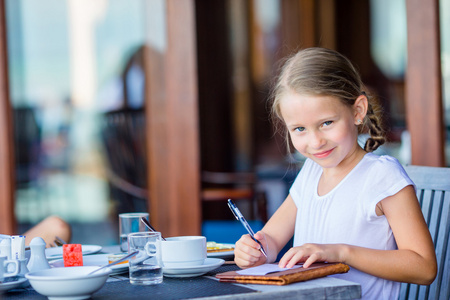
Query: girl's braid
[373,123]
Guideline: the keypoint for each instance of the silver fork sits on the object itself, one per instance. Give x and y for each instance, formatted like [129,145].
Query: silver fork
[59,241]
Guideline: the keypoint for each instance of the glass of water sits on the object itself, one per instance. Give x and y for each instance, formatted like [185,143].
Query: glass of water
[128,223]
[145,267]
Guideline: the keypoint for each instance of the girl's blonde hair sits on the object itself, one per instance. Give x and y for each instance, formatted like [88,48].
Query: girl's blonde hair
[324,72]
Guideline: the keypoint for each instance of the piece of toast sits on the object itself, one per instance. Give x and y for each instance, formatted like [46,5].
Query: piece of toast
[216,247]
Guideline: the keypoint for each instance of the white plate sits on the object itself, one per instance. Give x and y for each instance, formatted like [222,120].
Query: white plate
[6,286]
[222,254]
[57,252]
[192,271]
[95,260]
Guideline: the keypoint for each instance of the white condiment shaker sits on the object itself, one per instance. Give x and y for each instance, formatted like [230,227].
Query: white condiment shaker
[38,261]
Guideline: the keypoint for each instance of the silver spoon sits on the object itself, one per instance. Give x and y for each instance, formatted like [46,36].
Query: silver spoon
[115,262]
[147,223]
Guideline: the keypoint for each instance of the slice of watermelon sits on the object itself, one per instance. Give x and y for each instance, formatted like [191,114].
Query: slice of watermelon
[72,255]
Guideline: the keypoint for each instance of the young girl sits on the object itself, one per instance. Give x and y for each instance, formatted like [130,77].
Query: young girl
[347,204]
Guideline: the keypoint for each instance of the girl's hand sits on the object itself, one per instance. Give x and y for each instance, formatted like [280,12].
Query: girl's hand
[310,253]
[247,252]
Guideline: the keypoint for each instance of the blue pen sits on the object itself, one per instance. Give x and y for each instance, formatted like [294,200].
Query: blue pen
[237,213]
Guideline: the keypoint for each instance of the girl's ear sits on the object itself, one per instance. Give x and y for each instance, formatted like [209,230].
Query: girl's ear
[360,109]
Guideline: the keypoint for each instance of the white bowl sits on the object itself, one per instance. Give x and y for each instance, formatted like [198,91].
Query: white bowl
[68,283]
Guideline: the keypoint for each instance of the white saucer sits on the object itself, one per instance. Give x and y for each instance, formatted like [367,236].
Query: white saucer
[95,260]
[57,252]
[193,271]
[6,286]
[223,254]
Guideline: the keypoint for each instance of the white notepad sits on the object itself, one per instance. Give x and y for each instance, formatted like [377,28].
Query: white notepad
[265,269]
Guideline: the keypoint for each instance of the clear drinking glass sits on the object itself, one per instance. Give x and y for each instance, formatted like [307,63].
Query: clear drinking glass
[129,223]
[145,267]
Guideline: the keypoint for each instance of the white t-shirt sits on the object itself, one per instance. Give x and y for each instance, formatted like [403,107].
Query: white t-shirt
[347,213]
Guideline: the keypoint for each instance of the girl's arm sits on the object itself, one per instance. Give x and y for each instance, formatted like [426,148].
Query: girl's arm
[275,234]
[413,262]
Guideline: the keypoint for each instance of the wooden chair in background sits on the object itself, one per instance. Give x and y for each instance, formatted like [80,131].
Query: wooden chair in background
[27,150]
[238,186]
[433,192]
[124,140]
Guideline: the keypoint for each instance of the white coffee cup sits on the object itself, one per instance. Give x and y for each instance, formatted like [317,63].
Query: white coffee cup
[5,269]
[183,251]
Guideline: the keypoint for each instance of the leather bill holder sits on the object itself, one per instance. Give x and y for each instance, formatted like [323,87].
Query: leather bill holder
[316,270]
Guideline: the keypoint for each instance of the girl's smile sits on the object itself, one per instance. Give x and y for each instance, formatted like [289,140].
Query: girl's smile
[323,154]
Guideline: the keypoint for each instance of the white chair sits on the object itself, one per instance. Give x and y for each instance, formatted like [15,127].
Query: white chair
[433,192]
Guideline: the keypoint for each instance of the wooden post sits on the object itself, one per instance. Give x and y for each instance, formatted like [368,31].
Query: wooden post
[424,112]
[172,126]
[298,26]
[7,219]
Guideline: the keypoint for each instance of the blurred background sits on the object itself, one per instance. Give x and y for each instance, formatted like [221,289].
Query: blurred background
[77,81]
